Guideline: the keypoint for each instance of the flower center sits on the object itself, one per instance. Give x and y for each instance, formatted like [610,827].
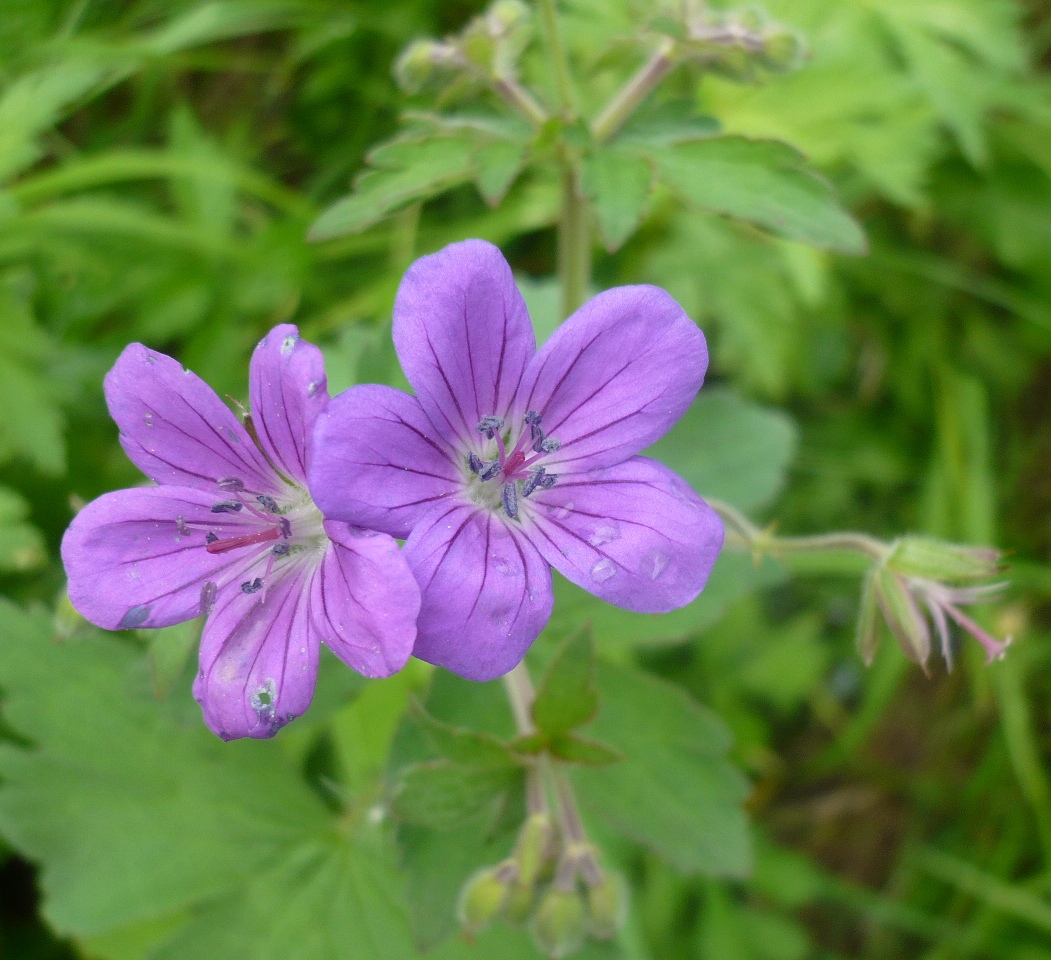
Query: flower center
[292,524]
[513,474]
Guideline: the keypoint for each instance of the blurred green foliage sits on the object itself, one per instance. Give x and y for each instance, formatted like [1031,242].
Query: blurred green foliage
[160,166]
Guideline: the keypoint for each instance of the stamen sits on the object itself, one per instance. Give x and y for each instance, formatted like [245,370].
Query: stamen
[231,484]
[282,549]
[533,481]
[510,495]
[286,527]
[233,543]
[488,426]
[228,506]
[550,479]
[180,525]
[269,502]
[533,419]
[490,471]
[208,592]
[252,586]
[211,538]
[550,445]
[474,462]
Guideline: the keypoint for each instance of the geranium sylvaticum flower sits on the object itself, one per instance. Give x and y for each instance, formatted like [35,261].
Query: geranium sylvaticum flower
[231,532]
[510,460]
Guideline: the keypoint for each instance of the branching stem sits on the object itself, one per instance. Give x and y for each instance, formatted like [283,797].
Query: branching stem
[627,100]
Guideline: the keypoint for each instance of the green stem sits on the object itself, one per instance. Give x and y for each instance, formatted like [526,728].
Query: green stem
[637,89]
[559,60]
[520,99]
[744,534]
[520,694]
[574,241]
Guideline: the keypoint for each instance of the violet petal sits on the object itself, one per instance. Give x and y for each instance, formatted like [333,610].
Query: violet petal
[486,592]
[144,550]
[176,430]
[463,335]
[364,601]
[288,390]
[635,535]
[615,376]
[259,659]
[377,461]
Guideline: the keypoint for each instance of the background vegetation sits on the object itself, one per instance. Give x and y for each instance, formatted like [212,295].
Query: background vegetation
[160,166]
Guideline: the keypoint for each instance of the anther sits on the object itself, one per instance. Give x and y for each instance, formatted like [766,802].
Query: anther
[550,445]
[490,470]
[286,527]
[475,462]
[267,501]
[549,480]
[227,506]
[208,592]
[510,494]
[282,549]
[231,484]
[534,480]
[489,425]
[252,586]
[211,538]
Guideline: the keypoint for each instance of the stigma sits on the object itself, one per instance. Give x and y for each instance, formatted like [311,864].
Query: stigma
[518,470]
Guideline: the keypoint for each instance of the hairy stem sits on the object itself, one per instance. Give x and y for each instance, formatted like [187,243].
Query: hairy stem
[574,241]
[559,60]
[637,89]
[520,99]
[520,694]
[745,535]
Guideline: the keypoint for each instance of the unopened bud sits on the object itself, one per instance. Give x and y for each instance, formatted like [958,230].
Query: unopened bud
[484,896]
[479,45]
[420,63]
[520,900]
[560,923]
[903,616]
[505,16]
[607,906]
[782,51]
[533,851]
[939,560]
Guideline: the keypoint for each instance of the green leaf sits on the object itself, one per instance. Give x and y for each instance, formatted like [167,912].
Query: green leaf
[764,182]
[730,449]
[576,749]
[619,185]
[566,697]
[499,163]
[133,809]
[460,745]
[403,171]
[441,794]
[669,123]
[21,545]
[675,791]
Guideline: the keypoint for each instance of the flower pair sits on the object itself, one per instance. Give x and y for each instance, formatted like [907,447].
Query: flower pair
[507,461]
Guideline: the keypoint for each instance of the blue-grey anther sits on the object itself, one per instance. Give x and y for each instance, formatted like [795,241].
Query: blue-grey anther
[231,484]
[282,549]
[489,425]
[208,593]
[286,527]
[510,494]
[474,462]
[534,480]
[548,481]
[227,506]
[490,470]
[252,586]
[268,501]
[550,445]
[211,538]
[533,419]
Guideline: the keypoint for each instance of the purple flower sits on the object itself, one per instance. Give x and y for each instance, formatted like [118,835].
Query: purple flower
[231,533]
[511,460]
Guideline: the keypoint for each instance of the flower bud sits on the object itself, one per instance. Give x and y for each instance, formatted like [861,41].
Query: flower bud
[903,616]
[505,16]
[484,896]
[939,560]
[607,906]
[520,900]
[560,923]
[533,850]
[420,62]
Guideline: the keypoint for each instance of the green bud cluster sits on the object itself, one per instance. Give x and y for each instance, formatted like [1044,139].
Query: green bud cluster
[557,889]
[738,44]
[488,48]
